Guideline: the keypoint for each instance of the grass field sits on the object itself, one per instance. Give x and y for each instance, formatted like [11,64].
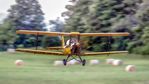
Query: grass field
[39,69]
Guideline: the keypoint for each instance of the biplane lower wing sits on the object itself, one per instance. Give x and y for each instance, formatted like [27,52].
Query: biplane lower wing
[70,34]
[39,51]
[61,53]
[55,48]
[104,53]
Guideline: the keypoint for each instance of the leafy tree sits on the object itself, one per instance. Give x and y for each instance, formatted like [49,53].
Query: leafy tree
[27,15]
[139,43]
[57,25]
[145,36]
[50,41]
[7,34]
[75,13]
[98,15]
[102,16]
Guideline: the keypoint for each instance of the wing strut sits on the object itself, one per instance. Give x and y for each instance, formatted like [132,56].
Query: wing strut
[108,44]
[36,43]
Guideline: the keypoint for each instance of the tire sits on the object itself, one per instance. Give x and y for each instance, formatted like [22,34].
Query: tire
[83,62]
[64,62]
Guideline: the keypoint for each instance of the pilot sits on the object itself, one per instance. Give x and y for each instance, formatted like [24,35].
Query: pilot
[74,45]
[73,40]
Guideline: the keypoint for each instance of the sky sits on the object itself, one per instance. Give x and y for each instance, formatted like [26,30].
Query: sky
[51,8]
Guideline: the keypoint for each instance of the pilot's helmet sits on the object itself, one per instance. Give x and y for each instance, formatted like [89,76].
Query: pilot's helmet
[73,40]
[77,43]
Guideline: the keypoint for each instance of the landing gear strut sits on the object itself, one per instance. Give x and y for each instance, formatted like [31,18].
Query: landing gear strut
[80,60]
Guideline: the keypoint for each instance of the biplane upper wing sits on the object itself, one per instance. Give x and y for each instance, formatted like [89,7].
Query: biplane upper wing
[105,34]
[41,33]
[70,34]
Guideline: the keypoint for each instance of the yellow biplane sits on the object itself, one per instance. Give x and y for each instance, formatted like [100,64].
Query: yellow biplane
[72,46]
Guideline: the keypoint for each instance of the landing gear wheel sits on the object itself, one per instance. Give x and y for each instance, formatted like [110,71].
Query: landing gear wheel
[83,62]
[64,62]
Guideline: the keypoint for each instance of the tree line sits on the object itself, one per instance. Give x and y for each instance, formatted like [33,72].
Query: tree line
[82,16]
[111,16]
[25,15]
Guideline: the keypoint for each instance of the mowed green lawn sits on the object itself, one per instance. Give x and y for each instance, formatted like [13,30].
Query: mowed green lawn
[39,69]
